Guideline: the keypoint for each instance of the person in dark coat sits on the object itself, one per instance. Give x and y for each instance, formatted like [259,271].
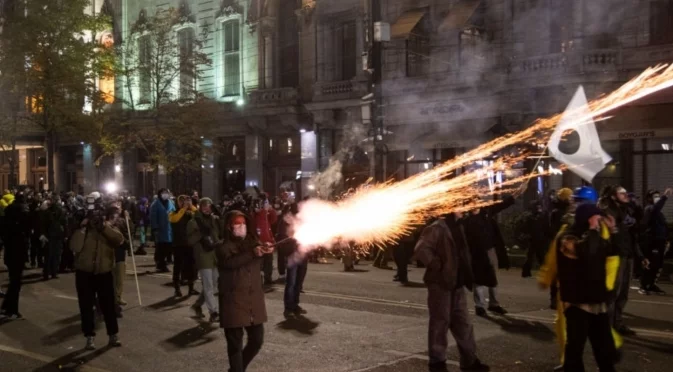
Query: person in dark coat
[297,265]
[241,296]
[161,229]
[656,235]
[615,203]
[581,259]
[16,234]
[488,254]
[537,231]
[54,234]
[443,250]
[185,265]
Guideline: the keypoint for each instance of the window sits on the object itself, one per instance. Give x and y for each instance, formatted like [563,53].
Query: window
[144,69]
[289,44]
[289,145]
[187,68]
[472,47]
[348,51]
[418,50]
[560,21]
[661,22]
[231,57]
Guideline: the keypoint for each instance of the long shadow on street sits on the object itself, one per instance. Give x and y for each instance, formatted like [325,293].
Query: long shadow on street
[301,324]
[193,337]
[72,362]
[535,330]
[171,303]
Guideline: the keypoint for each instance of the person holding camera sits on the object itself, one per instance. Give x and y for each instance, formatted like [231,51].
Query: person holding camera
[203,235]
[94,247]
[184,267]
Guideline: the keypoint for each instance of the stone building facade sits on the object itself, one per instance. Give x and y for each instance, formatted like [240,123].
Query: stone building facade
[455,73]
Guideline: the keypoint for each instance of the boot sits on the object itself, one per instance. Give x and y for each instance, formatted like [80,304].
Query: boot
[89,344]
[178,292]
[192,291]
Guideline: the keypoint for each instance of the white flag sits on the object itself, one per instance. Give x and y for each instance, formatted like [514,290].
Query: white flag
[589,159]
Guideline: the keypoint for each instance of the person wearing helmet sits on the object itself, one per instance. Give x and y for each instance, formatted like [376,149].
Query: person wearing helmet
[585,194]
[656,233]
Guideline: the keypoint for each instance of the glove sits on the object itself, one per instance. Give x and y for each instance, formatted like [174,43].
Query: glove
[44,239]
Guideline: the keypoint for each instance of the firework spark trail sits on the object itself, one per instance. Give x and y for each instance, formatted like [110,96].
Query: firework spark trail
[383,213]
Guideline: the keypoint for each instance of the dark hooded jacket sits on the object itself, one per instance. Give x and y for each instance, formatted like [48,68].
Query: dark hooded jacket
[443,250]
[625,238]
[241,297]
[16,232]
[483,233]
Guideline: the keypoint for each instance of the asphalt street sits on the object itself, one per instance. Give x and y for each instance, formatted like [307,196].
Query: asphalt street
[359,321]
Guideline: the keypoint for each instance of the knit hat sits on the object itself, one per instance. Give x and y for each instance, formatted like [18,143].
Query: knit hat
[205,201]
[564,194]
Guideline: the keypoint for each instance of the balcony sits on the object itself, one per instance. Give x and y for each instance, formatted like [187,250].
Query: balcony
[273,97]
[573,62]
[339,90]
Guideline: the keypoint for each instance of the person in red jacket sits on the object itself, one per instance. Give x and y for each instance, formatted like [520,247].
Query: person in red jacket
[265,216]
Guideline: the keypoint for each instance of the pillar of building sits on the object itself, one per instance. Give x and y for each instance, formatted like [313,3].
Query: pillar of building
[24,167]
[58,183]
[162,178]
[309,162]
[210,173]
[254,166]
[119,171]
[90,182]
[308,57]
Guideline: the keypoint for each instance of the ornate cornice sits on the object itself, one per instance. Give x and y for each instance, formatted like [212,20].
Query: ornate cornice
[305,13]
[229,8]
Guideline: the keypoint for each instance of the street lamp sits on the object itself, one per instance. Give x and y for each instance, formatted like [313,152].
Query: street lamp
[111,187]
[240,102]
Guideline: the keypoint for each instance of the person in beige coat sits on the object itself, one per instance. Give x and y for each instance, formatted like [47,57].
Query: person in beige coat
[94,248]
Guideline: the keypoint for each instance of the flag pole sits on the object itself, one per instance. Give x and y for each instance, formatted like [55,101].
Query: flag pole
[133,258]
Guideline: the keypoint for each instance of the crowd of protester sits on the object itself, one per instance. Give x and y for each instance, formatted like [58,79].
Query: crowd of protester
[578,237]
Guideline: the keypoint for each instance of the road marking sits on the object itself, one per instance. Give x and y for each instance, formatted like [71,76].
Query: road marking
[66,297]
[45,359]
[402,357]
[653,302]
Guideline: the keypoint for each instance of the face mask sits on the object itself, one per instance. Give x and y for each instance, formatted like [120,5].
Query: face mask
[240,230]
[164,196]
[656,200]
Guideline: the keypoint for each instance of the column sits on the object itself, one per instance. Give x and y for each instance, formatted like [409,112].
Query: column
[268,61]
[58,184]
[162,178]
[119,171]
[210,173]
[89,170]
[309,162]
[24,167]
[253,161]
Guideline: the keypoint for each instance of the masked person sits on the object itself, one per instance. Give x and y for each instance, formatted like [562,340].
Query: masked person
[204,233]
[184,267]
[15,236]
[264,217]
[161,228]
[95,249]
[656,235]
[443,250]
[616,204]
[582,254]
[242,306]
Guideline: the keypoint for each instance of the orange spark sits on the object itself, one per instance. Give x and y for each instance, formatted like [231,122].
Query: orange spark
[378,214]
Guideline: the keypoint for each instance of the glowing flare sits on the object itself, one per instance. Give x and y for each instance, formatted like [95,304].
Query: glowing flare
[383,213]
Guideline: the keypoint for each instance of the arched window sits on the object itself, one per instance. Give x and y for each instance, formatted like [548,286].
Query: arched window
[187,68]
